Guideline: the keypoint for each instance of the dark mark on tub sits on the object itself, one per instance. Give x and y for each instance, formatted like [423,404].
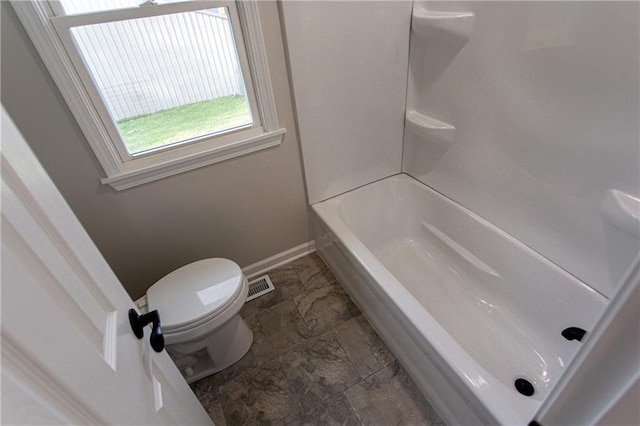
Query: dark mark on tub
[573,333]
[524,387]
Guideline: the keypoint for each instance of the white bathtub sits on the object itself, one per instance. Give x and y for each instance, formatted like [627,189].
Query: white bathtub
[465,307]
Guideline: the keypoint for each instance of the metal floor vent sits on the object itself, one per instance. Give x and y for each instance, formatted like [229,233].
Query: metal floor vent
[260,286]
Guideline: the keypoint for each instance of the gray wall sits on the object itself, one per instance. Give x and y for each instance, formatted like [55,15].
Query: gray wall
[245,209]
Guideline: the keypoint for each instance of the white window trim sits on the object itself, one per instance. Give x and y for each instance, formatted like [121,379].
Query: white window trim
[136,161]
[35,17]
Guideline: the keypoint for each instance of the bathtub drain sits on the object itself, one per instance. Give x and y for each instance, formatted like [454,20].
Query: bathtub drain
[524,387]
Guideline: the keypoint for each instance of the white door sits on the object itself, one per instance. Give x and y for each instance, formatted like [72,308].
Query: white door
[68,353]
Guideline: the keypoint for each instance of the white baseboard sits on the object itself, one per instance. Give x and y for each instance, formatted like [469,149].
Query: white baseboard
[279,259]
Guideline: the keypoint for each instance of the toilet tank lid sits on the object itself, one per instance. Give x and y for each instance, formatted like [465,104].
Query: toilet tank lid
[195,291]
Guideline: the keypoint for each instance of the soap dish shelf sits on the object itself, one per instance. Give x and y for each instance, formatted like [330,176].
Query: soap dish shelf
[453,26]
[429,127]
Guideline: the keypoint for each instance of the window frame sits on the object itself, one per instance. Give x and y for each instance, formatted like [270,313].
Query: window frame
[64,23]
[40,23]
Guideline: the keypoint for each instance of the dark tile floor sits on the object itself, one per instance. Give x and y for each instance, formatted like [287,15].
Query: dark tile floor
[315,360]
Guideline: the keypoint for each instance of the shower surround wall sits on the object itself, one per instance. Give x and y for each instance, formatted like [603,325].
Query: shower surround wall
[541,99]
[348,63]
[525,113]
[522,116]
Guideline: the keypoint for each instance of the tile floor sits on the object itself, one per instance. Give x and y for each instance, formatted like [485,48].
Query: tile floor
[315,360]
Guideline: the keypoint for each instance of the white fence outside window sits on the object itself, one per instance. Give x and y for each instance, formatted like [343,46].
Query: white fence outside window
[155,57]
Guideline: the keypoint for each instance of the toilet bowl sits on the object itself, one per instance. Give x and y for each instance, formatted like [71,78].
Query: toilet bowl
[199,307]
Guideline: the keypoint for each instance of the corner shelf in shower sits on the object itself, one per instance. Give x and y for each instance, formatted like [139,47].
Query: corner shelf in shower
[429,127]
[452,26]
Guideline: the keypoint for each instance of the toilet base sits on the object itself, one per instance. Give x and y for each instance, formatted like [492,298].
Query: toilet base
[226,346]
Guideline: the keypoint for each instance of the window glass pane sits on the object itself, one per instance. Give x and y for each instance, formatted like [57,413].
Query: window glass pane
[73,7]
[167,79]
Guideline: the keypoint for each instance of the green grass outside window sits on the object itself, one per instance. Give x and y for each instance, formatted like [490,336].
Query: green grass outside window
[184,122]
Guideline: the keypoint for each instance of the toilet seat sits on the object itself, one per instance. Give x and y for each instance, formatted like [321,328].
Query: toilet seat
[196,293]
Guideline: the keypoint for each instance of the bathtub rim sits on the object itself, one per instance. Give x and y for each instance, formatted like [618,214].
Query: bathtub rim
[387,284]
[430,336]
[377,320]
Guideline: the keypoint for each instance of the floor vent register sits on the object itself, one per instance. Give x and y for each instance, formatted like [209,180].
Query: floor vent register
[260,286]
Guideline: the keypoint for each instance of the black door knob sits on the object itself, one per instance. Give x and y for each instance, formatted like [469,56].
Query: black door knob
[138,322]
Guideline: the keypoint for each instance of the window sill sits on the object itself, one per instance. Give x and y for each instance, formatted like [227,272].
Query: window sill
[129,179]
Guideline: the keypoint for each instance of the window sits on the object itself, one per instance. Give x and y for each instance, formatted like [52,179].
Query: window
[158,87]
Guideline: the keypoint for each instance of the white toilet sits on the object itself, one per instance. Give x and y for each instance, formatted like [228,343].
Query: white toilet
[199,307]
